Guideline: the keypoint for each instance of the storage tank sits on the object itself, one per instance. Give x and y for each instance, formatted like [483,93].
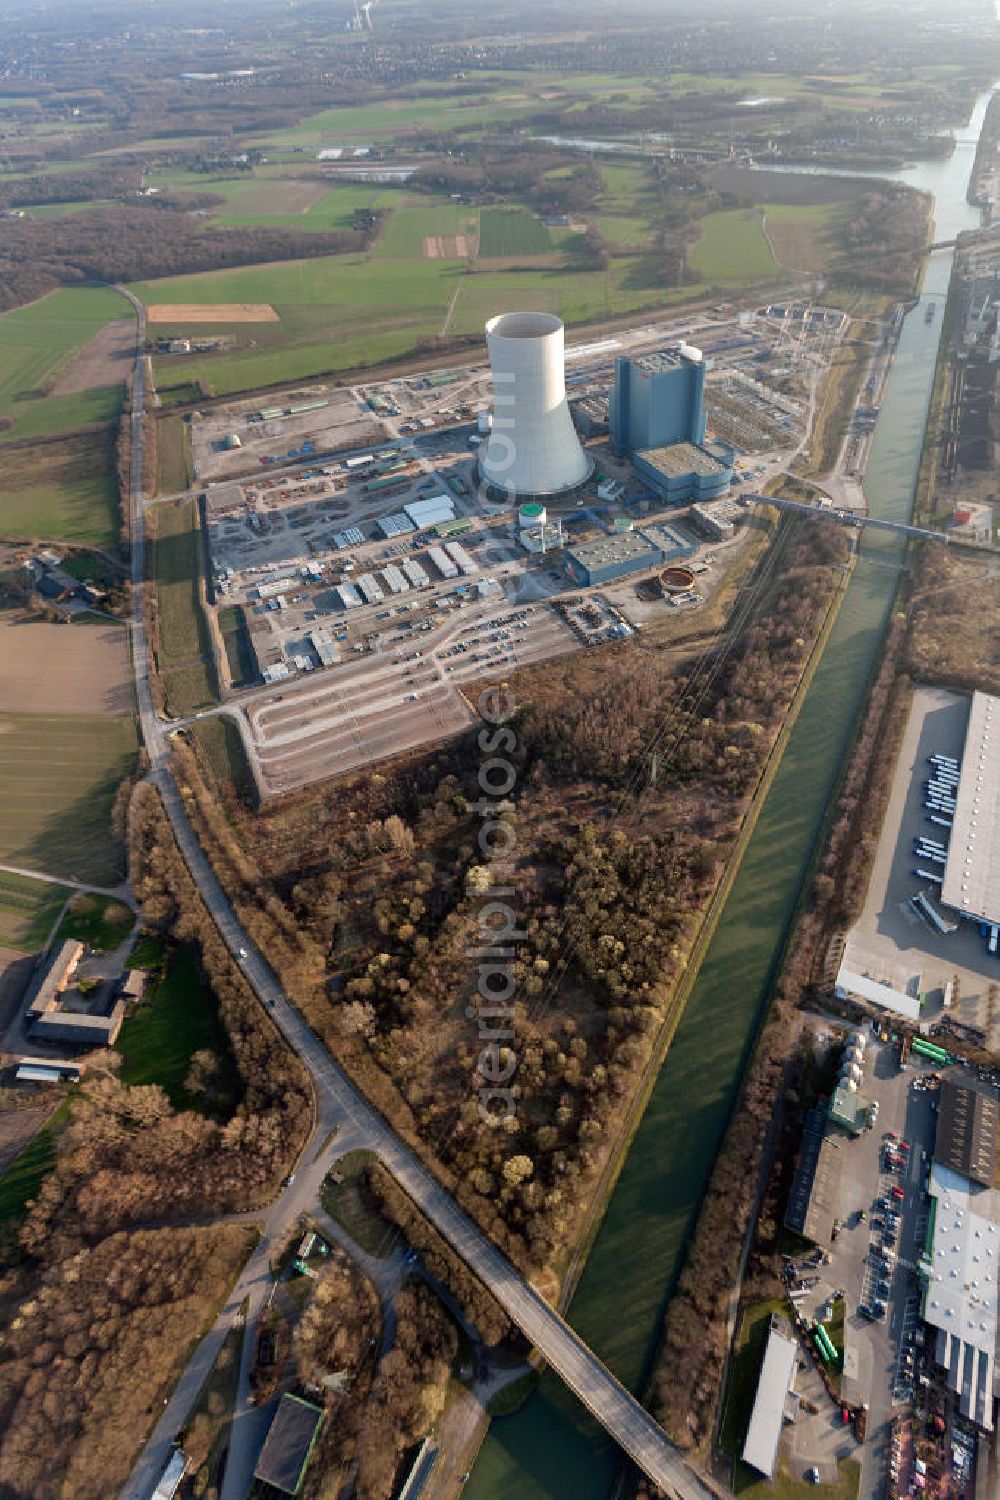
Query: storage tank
[676,580]
[531,513]
[533,448]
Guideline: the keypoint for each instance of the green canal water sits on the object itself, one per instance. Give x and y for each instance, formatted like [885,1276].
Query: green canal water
[551,1449]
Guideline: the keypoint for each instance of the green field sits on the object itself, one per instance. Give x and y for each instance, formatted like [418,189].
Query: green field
[182,1018]
[341,312]
[404,234]
[220,743]
[805,236]
[99,921]
[505,231]
[58,778]
[62,491]
[28,910]
[184,648]
[35,343]
[174,466]
[239,648]
[24,1176]
[732,248]
[354,1209]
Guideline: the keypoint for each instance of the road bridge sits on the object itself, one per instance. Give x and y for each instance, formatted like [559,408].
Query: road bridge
[852,518]
[337,1097]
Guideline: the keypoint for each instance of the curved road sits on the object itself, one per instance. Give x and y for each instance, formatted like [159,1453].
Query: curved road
[339,1104]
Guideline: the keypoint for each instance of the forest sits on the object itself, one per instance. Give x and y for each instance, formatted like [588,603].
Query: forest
[136,241]
[370,929]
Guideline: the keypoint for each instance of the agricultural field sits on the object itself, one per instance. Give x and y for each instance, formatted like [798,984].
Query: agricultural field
[37,343]
[805,238]
[732,248]
[342,312]
[286,197]
[47,669]
[66,490]
[183,644]
[28,910]
[508,232]
[406,235]
[59,775]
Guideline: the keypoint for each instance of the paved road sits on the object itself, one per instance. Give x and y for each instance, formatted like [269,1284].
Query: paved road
[340,1104]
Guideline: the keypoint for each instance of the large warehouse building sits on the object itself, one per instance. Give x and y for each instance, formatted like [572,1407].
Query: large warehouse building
[960,1265]
[972,873]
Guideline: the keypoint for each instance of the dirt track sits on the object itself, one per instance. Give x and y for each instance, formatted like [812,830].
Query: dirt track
[63,669]
[103,360]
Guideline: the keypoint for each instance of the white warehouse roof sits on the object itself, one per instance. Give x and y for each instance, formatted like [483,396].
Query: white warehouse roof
[432,511]
[961,1270]
[764,1433]
[972,874]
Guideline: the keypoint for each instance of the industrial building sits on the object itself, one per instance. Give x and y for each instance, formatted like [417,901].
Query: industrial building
[288,1446]
[445,566]
[611,557]
[658,399]
[533,447]
[967,1129]
[369,589]
[959,1269]
[715,521]
[396,524]
[683,471]
[430,512]
[325,647]
[972,873]
[775,1401]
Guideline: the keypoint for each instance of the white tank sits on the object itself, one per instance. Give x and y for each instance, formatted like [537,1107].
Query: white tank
[533,448]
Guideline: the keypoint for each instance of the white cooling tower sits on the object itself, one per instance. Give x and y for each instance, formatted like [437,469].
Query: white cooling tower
[533,448]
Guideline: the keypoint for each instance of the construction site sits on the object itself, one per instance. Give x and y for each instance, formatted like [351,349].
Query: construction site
[382,548]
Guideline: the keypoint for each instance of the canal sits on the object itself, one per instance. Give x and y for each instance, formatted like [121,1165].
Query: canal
[551,1449]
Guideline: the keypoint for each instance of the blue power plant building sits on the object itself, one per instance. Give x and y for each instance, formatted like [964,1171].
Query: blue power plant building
[658,399]
[657,418]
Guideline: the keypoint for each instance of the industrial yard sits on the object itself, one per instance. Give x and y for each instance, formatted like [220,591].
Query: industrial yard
[931,970]
[374,535]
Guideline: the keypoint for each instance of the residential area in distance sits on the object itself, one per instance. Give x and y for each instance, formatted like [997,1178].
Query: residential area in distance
[499,716]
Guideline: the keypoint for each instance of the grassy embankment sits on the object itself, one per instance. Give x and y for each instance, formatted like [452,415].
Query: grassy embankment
[183,643]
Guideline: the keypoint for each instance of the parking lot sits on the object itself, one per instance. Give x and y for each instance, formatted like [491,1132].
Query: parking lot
[409,696]
[870,1202]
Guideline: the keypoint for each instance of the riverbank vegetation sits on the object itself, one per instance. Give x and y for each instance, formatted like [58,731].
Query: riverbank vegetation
[943,633]
[614,866]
